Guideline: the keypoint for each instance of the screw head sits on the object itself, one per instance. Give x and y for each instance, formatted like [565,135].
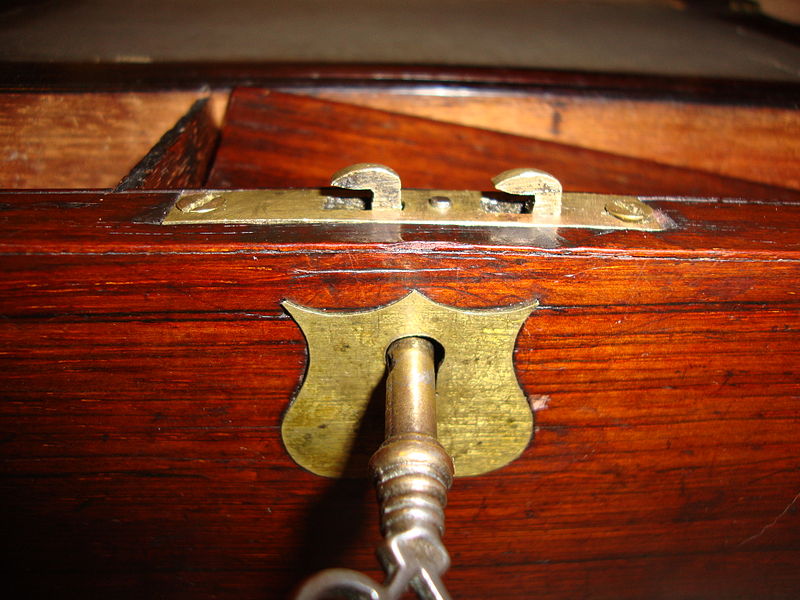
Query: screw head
[630,210]
[440,203]
[202,203]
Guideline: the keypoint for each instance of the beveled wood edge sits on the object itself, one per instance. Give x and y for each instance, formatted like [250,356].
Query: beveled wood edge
[84,77]
[154,167]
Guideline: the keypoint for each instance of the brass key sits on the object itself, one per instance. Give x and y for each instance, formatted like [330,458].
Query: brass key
[412,472]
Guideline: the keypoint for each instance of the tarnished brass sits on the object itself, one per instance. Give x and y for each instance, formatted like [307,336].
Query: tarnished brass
[483,418]
[425,207]
[545,188]
[525,198]
[200,203]
[411,388]
[382,181]
[412,473]
[629,210]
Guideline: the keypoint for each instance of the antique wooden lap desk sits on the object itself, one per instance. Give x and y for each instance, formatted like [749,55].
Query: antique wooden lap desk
[147,369]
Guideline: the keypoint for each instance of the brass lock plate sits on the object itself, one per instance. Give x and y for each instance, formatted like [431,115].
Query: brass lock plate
[336,419]
[367,193]
[462,208]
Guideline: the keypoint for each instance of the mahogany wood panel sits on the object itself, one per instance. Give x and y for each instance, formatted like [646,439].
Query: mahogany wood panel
[145,370]
[746,142]
[85,140]
[181,157]
[54,77]
[272,139]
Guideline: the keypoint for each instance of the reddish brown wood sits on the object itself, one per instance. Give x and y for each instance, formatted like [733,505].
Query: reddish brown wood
[181,157]
[145,370]
[746,142]
[59,76]
[274,140]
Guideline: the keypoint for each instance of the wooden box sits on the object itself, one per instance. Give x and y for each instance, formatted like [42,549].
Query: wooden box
[146,369]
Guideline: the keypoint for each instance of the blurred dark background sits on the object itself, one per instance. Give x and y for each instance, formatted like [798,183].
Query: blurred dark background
[716,38]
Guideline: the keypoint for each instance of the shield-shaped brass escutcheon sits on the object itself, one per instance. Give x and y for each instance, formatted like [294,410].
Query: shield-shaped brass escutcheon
[336,420]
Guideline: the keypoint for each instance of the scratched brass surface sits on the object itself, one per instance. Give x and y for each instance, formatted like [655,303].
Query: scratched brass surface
[484,420]
[434,207]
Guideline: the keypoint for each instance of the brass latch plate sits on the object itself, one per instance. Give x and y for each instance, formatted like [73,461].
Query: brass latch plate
[424,207]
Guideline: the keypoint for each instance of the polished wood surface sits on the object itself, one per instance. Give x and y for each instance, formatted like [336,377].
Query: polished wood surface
[146,369]
[271,138]
[181,157]
[746,142]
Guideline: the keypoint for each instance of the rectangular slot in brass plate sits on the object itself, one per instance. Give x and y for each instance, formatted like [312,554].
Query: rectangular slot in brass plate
[425,207]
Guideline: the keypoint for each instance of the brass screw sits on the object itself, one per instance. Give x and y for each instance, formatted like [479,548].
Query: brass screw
[200,204]
[628,209]
[440,203]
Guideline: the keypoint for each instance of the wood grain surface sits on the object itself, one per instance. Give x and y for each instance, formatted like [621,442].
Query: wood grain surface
[181,157]
[86,140]
[745,142]
[145,370]
[273,139]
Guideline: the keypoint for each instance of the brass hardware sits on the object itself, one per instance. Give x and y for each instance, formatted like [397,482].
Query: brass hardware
[532,182]
[411,388]
[466,209]
[382,181]
[630,210]
[510,206]
[200,203]
[472,400]
[440,203]
[412,473]
[483,418]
